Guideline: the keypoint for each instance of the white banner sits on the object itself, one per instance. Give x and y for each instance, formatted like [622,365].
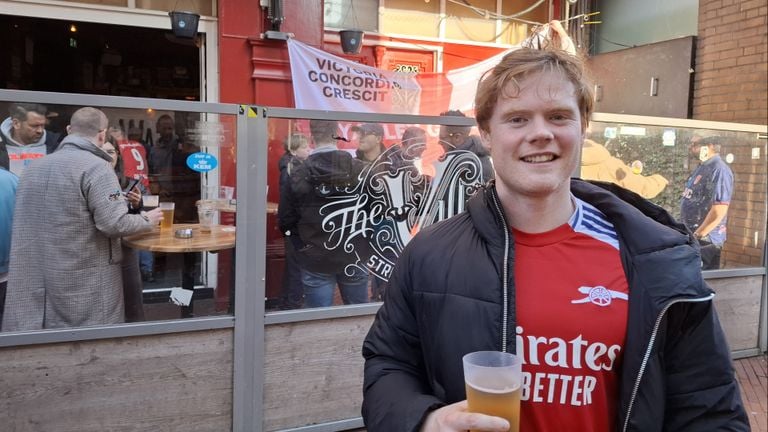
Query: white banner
[324,81]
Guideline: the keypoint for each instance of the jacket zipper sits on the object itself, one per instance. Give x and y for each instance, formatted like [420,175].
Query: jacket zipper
[504,272]
[648,351]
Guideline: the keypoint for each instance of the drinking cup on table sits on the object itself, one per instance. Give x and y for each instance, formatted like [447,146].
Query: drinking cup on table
[205,215]
[493,381]
[167,208]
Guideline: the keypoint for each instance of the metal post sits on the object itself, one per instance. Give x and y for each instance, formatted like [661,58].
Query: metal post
[248,385]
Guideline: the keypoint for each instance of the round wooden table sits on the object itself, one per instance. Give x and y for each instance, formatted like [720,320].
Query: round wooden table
[219,238]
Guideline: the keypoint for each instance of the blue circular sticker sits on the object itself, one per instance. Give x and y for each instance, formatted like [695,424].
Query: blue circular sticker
[202,162]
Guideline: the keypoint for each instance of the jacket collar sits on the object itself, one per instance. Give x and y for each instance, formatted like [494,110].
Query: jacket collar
[84,144]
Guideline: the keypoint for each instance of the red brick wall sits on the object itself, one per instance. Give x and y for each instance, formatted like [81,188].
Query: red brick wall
[731,84]
[731,77]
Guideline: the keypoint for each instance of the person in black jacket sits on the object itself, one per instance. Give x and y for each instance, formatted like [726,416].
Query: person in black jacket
[326,258]
[296,152]
[598,290]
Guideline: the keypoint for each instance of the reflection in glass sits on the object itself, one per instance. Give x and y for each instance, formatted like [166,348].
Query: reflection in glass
[346,212]
[699,180]
[155,156]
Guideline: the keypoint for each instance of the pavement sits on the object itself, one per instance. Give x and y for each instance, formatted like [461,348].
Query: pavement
[753,379]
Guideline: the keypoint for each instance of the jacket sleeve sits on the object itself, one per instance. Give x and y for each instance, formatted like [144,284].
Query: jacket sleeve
[107,207]
[396,396]
[702,392]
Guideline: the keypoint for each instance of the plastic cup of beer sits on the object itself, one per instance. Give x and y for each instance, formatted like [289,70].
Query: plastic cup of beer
[205,215]
[493,381]
[167,208]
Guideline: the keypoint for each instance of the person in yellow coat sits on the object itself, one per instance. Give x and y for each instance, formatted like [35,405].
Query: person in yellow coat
[598,164]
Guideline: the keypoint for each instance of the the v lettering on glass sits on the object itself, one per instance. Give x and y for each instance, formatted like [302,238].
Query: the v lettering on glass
[397,195]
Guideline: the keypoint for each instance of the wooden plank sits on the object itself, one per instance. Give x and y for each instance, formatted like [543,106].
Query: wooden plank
[153,383]
[737,301]
[313,371]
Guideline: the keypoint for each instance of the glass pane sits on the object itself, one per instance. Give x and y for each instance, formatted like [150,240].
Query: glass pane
[695,174]
[82,252]
[348,14]
[347,197]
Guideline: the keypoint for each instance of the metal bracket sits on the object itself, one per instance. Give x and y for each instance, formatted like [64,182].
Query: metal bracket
[277,35]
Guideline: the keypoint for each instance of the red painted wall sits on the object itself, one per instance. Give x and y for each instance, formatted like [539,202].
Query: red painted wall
[256,71]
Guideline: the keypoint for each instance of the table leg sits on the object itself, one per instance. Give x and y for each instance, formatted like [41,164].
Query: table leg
[188,282]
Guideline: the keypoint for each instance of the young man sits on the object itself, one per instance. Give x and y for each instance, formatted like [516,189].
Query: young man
[599,291]
[371,144]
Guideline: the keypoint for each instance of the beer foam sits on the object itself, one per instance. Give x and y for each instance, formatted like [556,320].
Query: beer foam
[496,391]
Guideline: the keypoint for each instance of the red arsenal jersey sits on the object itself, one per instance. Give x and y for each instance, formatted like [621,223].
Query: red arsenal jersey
[134,161]
[572,298]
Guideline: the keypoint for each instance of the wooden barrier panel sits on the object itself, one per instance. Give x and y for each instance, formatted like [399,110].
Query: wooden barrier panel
[737,301]
[154,383]
[313,371]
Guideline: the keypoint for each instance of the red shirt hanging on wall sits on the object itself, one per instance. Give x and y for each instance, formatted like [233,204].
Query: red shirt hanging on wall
[134,161]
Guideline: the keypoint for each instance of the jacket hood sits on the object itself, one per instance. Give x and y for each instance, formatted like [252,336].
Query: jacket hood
[593,153]
[84,144]
[5,129]
[657,230]
[647,234]
[652,227]
[330,167]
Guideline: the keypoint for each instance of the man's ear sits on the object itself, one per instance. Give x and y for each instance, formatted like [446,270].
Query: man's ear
[15,123]
[485,137]
[69,129]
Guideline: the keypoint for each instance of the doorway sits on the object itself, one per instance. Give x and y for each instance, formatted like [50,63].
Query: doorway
[84,57]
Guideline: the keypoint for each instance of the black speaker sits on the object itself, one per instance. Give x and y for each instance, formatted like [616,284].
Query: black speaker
[351,41]
[184,24]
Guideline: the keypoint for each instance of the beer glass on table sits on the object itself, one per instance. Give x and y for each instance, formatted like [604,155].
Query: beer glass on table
[494,381]
[167,208]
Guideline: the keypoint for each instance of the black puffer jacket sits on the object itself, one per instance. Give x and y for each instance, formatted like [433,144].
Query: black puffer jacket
[446,299]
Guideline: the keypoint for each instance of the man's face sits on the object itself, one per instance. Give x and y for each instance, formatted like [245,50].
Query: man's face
[116,134]
[30,130]
[535,137]
[302,152]
[695,146]
[165,129]
[451,137]
[369,142]
[111,151]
